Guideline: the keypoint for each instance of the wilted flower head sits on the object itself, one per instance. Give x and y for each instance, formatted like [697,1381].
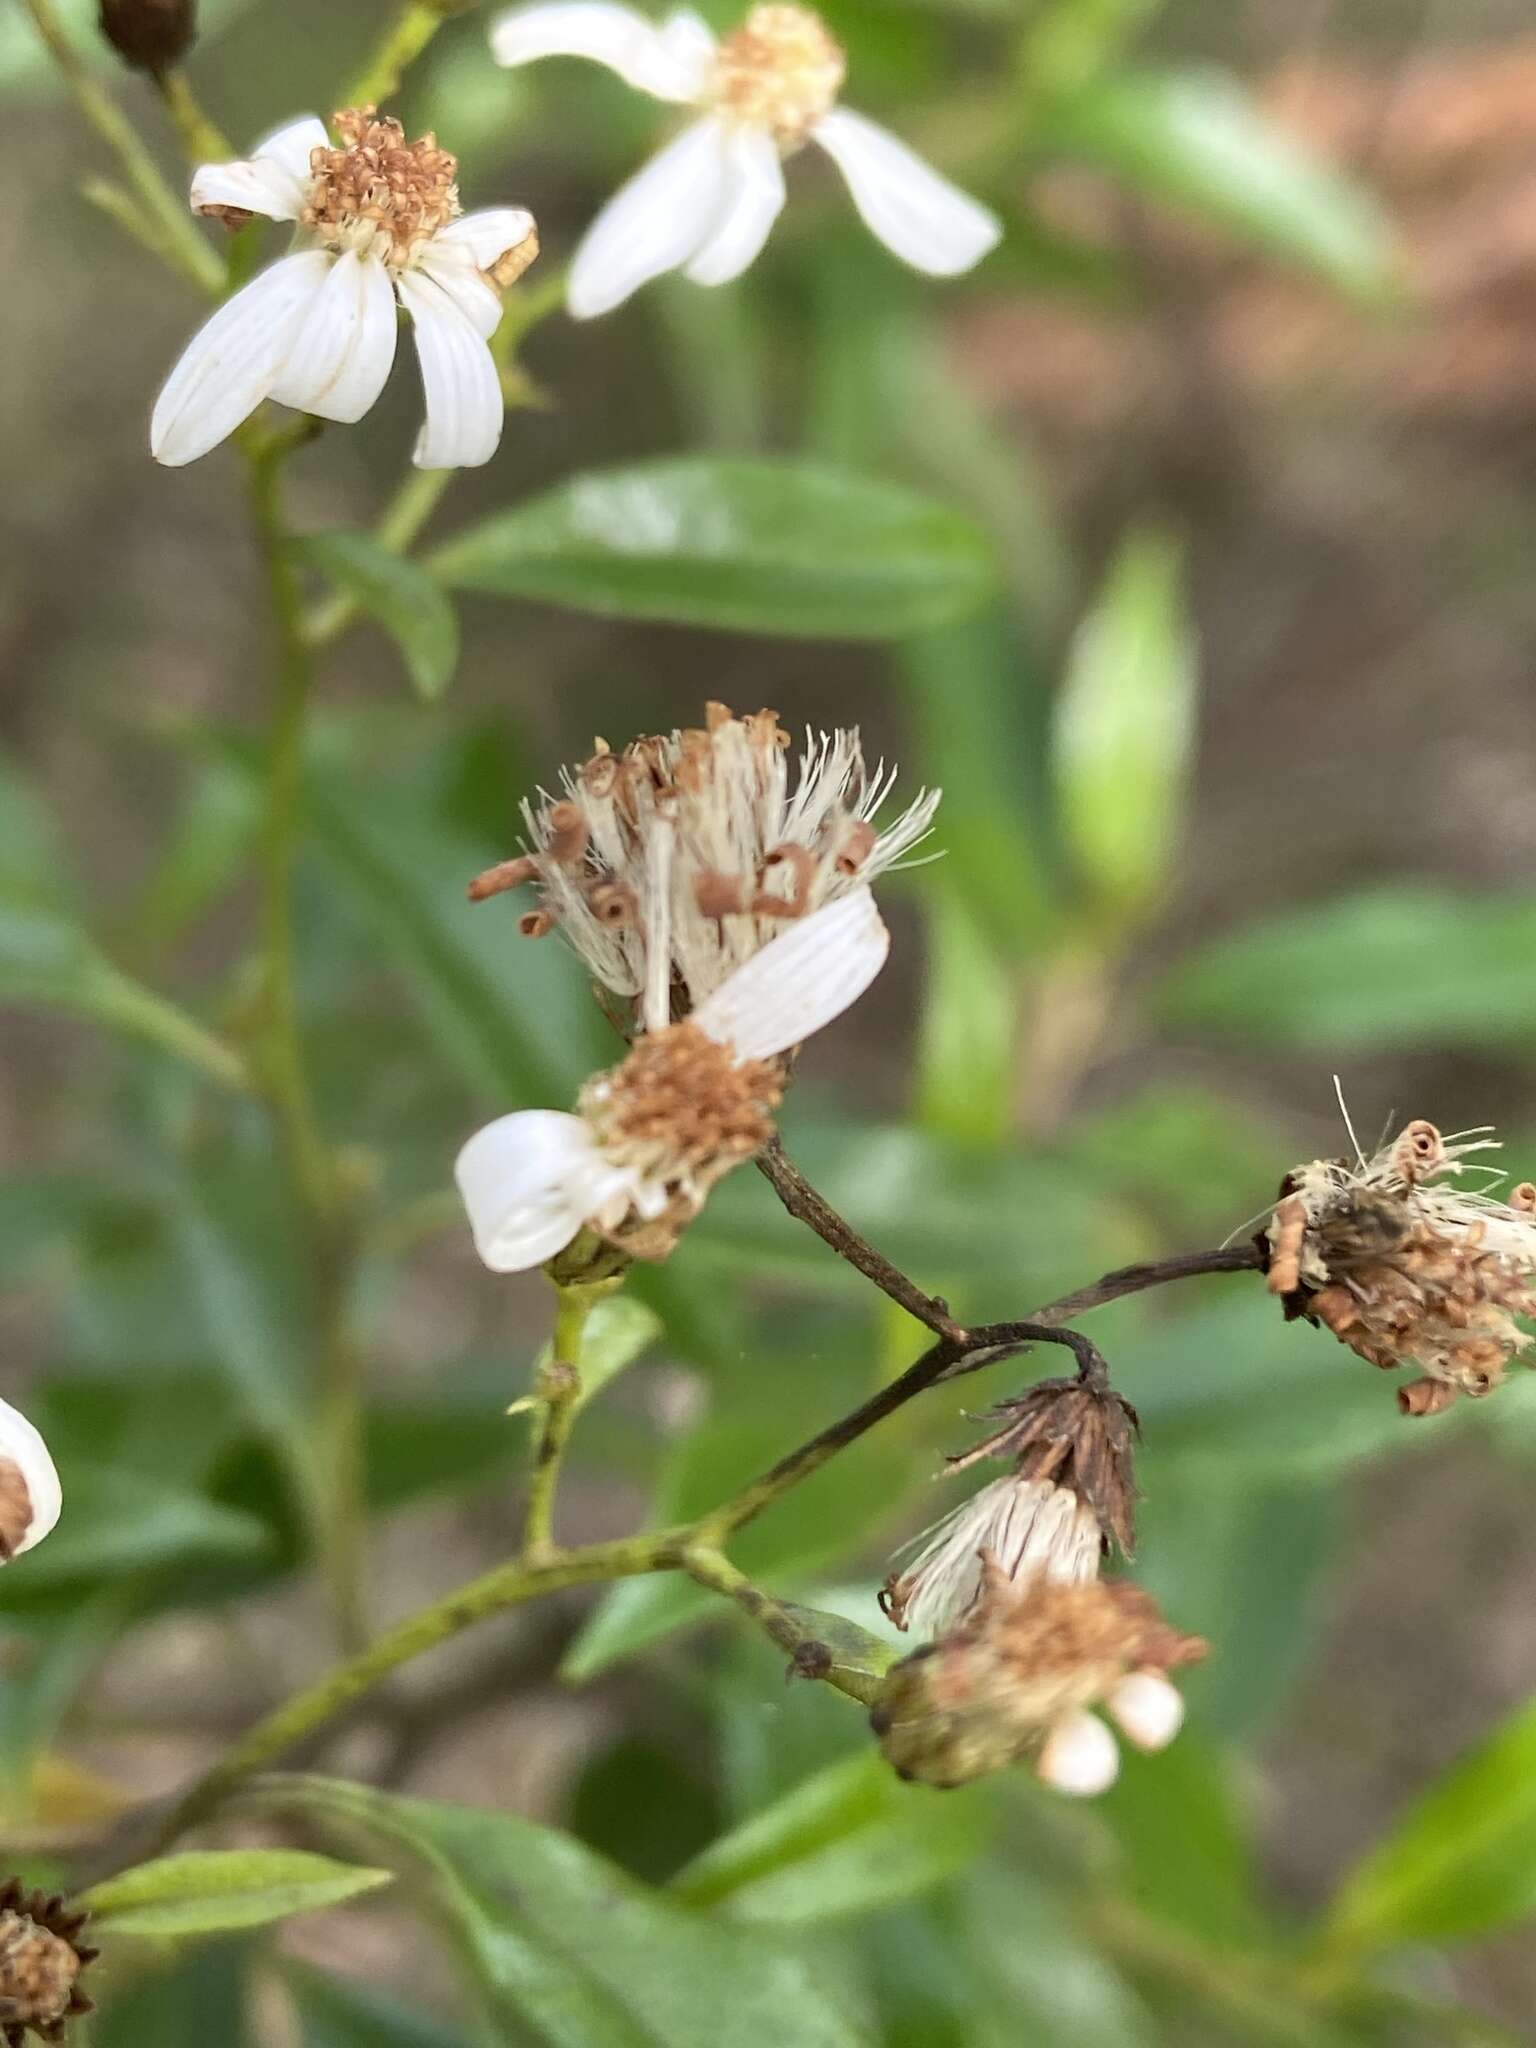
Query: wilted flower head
[30,1496]
[41,1958]
[705,205]
[734,919]
[1072,1488]
[1016,1683]
[378,220]
[1406,1270]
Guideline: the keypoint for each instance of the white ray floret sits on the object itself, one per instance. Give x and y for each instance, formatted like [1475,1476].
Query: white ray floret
[706,203]
[30,1495]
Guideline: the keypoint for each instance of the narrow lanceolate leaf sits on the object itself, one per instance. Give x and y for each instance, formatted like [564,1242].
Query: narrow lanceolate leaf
[210,1892]
[408,603]
[767,547]
[1463,1860]
[1125,727]
[563,1946]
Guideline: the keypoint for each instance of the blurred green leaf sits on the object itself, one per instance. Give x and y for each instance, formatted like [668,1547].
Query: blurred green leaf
[1462,1862]
[202,1996]
[1125,726]
[1386,968]
[46,1663]
[848,1840]
[969,1029]
[555,1938]
[765,547]
[25,64]
[339,2012]
[411,607]
[117,1522]
[1197,139]
[213,1891]
[1188,1856]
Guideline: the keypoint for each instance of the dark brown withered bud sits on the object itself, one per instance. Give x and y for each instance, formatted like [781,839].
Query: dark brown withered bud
[1079,1434]
[151,35]
[41,1959]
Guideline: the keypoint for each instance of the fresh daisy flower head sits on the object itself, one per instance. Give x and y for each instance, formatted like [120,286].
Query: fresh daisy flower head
[1407,1268]
[1017,1681]
[378,224]
[30,1497]
[670,865]
[706,203]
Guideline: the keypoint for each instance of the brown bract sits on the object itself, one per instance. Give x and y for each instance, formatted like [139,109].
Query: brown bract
[377,188]
[781,71]
[41,1957]
[1076,1434]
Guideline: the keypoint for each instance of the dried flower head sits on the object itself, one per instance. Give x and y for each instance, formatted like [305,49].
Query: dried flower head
[30,1495]
[149,34]
[1016,1683]
[41,1958]
[1406,1270]
[1072,1489]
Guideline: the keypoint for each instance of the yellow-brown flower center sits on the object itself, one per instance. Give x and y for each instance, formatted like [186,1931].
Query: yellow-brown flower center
[37,1974]
[682,1108]
[378,193]
[781,71]
[15,1508]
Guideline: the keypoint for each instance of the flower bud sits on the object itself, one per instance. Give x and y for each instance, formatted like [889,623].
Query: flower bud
[41,1958]
[151,35]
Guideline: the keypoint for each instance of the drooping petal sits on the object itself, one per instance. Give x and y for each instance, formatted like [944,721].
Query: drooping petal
[799,981]
[755,173]
[232,362]
[1079,1757]
[655,223]
[488,233]
[671,60]
[274,180]
[453,266]
[529,1182]
[30,1494]
[345,344]
[920,216]
[463,391]
[1148,1708]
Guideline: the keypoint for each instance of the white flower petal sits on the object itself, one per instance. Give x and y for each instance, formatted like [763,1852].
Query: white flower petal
[1079,1757]
[1148,1708]
[22,1446]
[292,145]
[345,344]
[487,234]
[799,981]
[529,1182]
[920,217]
[756,174]
[274,180]
[453,266]
[671,61]
[234,359]
[463,391]
[658,221]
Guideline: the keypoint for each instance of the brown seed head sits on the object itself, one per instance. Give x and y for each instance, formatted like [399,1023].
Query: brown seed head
[151,35]
[781,71]
[377,191]
[1078,1435]
[41,1957]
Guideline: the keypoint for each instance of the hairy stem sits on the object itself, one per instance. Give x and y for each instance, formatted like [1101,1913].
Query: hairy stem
[557,1396]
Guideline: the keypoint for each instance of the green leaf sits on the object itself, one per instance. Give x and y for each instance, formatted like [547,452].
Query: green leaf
[337,2012]
[1125,724]
[847,1840]
[118,1522]
[1195,138]
[557,1940]
[407,602]
[212,1891]
[1463,1860]
[618,1331]
[1187,1855]
[756,547]
[1383,969]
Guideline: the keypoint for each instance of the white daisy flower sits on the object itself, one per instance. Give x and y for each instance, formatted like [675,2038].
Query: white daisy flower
[378,223]
[706,203]
[30,1496]
[651,1137]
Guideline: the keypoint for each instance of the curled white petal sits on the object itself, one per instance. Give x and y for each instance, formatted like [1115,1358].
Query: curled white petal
[22,1445]
[1079,1757]
[273,181]
[1030,1527]
[920,216]
[1147,1708]
[799,981]
[488,234]
[458,376]
[755,176]
[658,221]
[345,344]
[670,60]
[529,1182]
[452,265]
[232,362]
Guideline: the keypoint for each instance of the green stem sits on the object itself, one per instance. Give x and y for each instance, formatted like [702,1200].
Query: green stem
[201,141]
[558,1395]
[175,233]
[712,1568]
[402,43]
[132,1007]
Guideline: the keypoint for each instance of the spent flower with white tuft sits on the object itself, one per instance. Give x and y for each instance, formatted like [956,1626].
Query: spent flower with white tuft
[1016,1682]
[706,204]
[30,1495]
[1405,1269]
[378,222]
[1071,1490]
[41,1958]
